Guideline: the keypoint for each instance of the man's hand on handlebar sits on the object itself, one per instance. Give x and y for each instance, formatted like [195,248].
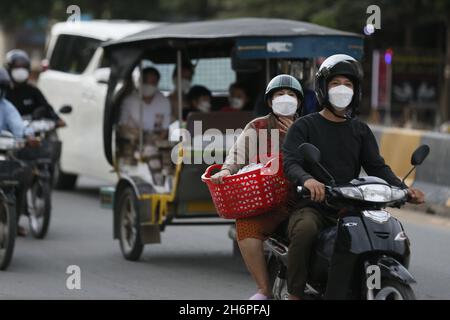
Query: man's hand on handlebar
[60,123]
[316,189]
[416,196]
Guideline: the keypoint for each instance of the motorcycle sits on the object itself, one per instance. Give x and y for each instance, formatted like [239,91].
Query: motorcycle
[41,159]
[8,187]
[366,255]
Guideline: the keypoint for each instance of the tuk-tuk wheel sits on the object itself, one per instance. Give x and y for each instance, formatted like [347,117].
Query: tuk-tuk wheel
[129,236]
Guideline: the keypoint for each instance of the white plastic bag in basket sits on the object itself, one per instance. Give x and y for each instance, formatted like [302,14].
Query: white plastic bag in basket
[251,167]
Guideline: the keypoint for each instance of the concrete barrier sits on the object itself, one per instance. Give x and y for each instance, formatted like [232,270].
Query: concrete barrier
[433,176]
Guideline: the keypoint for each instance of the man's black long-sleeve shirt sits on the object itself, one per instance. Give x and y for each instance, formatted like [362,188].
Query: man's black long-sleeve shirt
[27,98]
[345,147]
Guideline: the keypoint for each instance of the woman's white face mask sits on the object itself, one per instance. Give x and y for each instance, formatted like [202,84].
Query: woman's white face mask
[340,97]
[20,75]
[285,105]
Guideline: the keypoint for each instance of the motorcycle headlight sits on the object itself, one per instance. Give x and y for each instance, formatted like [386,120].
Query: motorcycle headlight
[379,216]
[376,193]
[351,193]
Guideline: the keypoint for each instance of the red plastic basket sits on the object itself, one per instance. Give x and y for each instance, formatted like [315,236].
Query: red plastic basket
[248,194]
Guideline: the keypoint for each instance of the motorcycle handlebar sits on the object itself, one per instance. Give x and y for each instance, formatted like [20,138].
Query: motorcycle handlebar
[306,194]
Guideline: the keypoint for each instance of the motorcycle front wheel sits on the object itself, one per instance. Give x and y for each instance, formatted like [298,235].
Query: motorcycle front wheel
[39,208]
[394,290]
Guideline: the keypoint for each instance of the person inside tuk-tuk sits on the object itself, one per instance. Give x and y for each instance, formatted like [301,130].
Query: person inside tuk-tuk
[144,108]
[187,74]
[239,99]
[284,97]
[199,100]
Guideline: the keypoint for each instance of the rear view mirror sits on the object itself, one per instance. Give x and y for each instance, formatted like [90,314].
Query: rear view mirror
[420,155]
[65,110]
[310,153]
[417,158]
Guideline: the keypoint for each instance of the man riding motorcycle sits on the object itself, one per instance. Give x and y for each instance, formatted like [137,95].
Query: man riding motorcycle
[23,95]
[346,145]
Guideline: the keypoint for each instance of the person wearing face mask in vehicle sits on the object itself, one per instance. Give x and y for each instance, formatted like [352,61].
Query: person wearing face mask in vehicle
[199,100]
[346,145]
[284,96]
[238,99]
[146,109]
[187,74]
[23,95]
[156,112]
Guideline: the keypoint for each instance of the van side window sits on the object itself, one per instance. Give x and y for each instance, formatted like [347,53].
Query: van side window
[72,54]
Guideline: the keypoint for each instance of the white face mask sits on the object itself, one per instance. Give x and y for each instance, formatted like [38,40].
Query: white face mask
[185,85]
[148,90]
[204,106]
[340,97]
[20,75]
[285,105]
[236,103]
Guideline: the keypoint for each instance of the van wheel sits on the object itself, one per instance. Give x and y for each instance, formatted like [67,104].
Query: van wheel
[394,290]
[61,180]
[129,224]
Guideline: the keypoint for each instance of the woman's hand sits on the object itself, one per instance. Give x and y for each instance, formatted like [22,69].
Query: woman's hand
[416,196]
[284,123]
[218,177]
[316,189]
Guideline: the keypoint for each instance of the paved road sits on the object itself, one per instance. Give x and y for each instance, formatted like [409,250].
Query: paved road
[192,262]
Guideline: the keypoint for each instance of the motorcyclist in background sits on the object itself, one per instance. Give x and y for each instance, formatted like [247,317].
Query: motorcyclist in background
[24,96]
[11,121]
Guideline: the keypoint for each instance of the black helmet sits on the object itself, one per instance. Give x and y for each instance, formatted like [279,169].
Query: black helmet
[17,57]
[284,81]
[5,82]
[339,65]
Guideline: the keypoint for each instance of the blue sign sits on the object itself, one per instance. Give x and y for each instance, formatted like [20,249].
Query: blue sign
[299,47]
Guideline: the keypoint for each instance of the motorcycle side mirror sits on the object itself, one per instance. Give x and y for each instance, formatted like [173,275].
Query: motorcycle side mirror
[65,110]
[310,153]
[417,159]
[420,155]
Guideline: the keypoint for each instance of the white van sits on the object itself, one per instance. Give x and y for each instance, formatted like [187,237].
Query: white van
[76,79]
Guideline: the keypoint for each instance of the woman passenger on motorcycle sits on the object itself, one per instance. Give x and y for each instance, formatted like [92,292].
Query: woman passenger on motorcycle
[284,95]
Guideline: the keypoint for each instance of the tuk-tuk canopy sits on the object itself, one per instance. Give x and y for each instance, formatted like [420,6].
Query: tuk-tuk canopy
[254,38]
[246,38]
